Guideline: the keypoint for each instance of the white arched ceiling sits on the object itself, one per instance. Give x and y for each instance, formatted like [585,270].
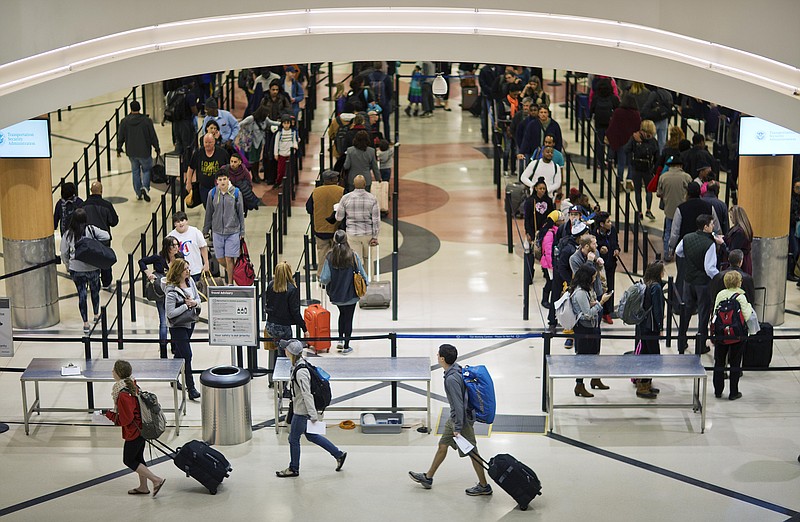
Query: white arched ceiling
[83,68]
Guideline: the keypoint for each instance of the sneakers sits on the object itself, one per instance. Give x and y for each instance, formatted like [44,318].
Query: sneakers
[422,479]
[340,461]
[145,195]
[734,396]
[408,110]
[194,394]
[607,319]
[478,490]
[347,350]
[650,216]
[628,185]
[339,347]
[568,344]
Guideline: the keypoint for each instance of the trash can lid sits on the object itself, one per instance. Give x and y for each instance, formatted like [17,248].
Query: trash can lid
[225,376]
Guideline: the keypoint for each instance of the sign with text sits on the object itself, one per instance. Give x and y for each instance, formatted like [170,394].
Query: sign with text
[232,316]
[759,137]
[6,330]
[27,139]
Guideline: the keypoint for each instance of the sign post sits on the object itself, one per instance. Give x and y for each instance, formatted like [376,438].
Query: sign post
[6,338]
[232,317]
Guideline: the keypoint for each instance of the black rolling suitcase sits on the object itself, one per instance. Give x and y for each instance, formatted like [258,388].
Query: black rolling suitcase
[516,479]
[758,349]
[200,461]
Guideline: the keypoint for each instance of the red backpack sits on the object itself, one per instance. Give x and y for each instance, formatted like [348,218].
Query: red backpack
[243,272]
[728,326]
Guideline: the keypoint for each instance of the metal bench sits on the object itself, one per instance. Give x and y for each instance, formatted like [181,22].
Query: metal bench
[381,369]
[629,366]
[99,370]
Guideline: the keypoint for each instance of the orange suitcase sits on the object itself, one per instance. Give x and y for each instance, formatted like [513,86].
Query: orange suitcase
[318,323]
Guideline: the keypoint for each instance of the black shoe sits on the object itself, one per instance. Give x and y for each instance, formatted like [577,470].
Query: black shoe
[546,304]
[718,395]
[194,394]
[176,384]
[793,278]
[145,195]
[705,350]
[734,396]
[408,111]
[340,461]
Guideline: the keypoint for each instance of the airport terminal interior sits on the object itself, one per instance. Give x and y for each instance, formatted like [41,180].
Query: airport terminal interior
[457,284]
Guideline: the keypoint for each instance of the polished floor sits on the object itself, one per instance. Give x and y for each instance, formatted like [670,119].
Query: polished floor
[457,279]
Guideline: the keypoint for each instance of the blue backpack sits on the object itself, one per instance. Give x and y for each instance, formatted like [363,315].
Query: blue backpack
[479,392]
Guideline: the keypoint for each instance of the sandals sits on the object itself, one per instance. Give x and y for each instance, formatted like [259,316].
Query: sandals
[137,492]
[157,488]
[288,472]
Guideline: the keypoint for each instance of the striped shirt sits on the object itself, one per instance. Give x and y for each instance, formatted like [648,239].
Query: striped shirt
[362,213]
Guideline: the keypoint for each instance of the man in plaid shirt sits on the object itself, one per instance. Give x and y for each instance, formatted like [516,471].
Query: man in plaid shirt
[361,210]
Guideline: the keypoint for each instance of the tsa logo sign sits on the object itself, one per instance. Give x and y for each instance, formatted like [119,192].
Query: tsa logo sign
[760,135]
[2,138]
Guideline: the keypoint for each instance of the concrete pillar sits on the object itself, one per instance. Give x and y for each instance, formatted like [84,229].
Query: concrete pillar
[26,207]
[765,189]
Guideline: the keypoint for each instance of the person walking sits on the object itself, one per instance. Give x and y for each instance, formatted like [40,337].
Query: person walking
[170,250]
[100,213]
[138,136]
[65,207]
[361,160]
[127,414]
[225,220]
[283,309]
[587,329]
[460,424]
[648,331]
[727,352]
[360,211]
[337,276]
[320,205]
[182,306]
[304,412]
[83,274]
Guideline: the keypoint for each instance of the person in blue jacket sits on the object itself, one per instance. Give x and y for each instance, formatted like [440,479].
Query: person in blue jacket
[337,276]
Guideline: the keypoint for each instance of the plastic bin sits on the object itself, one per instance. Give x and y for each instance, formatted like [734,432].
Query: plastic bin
[225,405]
[381,423]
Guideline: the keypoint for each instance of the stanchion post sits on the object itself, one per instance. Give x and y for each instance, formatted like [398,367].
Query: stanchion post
[545,398]
[527,279]
[636,244]
[627,221]
[670,290]
[118,293]
[132,287]
[393,344]
[104,329]
[108,145]
[97,157]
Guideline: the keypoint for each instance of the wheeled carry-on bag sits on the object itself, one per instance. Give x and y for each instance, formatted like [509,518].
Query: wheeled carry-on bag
[758,349]
[318,323]
[379,293]
[198,460]
[516,479]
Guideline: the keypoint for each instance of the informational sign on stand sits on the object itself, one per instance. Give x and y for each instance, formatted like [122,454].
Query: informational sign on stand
[232,316]
[6,330]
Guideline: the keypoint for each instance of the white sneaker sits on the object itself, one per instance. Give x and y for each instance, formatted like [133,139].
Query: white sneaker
[340,347]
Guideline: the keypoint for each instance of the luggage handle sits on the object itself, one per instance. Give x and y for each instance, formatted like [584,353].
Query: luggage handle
[163,448]
[376,277]
[477,458]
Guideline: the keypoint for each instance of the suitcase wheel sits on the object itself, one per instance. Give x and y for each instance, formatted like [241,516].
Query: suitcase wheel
[213,491]
[523,507]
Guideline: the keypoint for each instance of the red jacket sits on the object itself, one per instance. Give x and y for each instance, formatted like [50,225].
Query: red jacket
[127,415]
[624,122]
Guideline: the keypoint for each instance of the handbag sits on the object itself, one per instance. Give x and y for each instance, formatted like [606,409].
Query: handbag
[653,185]
[190,315]
[243,272]
[92,252]
[206,280]
[359,284]
[154,290]
[192,199]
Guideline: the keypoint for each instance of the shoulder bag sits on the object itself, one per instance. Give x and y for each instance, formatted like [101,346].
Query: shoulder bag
[92,252]
[358,282]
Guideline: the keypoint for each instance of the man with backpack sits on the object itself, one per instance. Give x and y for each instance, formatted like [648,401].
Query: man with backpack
[458,426]
[305,410]
[337,133]
[181,110]
[381,85]
[699,250]
[225,217]
[101,214]
[658,108]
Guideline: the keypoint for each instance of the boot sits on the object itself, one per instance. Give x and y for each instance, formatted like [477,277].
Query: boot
[643,391]
[597,384]
[580,391]
[654,390]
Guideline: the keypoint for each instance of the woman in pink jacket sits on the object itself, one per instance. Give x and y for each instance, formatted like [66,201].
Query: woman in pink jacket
[546,237]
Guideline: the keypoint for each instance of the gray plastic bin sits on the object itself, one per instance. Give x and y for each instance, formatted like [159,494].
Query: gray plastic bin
[225,404]
[384,423]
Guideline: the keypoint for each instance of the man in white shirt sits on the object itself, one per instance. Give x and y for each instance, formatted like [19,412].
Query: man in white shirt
[193,245]
[543,168]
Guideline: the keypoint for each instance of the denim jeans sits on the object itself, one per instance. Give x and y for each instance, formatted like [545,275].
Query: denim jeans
[140,170]
[661,133]
[298,428]
[162,321]
[667,232]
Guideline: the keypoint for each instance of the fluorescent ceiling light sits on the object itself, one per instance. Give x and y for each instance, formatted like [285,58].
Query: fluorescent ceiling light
[746,66]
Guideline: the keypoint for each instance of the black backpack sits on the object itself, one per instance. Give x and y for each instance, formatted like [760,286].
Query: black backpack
[642,158]
[378,86]
[340,139]
[662,108]
[175,105]
[728,326]
[603,109]
[67,209]
[320,385]
[245,80]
